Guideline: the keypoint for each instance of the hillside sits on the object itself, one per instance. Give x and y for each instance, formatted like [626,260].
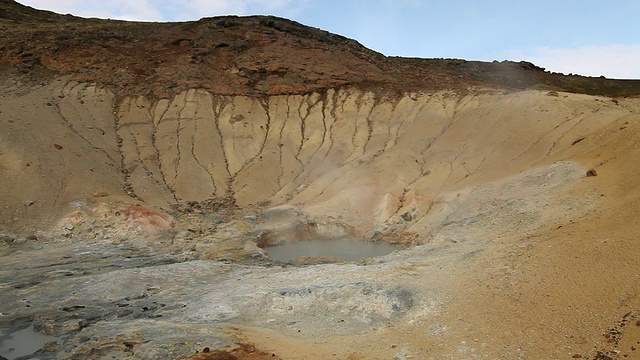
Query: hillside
[257,55]
[146,168]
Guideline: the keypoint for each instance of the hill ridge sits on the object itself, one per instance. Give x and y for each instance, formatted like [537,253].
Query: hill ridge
[252,55]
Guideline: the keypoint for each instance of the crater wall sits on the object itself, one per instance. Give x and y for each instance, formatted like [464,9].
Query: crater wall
[380,165]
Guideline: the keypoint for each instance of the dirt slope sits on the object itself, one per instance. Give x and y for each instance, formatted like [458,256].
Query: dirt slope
[130,151]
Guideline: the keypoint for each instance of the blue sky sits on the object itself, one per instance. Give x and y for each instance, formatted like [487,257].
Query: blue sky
[587,37]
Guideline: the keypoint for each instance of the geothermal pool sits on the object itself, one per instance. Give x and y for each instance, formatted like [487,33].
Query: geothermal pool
[342,248]
[22,344]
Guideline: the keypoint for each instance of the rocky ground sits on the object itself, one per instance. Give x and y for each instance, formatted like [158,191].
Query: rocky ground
[477,290]
[145,169]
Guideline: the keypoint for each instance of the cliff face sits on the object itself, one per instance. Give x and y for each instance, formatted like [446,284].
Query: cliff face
[379,165]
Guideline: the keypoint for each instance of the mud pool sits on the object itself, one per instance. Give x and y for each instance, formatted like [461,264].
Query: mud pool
[341,248]
[23,343]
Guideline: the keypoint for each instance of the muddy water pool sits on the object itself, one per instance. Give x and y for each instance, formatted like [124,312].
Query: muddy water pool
[23,343]
[344,249]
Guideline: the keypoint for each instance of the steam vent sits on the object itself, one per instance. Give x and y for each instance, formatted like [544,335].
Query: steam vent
[427,208]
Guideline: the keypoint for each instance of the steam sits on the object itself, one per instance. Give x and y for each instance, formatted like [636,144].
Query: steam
[612,61]
[158,10]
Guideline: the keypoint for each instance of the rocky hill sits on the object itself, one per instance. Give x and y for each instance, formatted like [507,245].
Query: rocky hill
[257,55]
[146,168]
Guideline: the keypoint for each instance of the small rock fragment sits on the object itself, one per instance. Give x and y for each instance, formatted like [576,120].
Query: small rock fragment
[234,119]
[50,346]
[592,172]
[7,239]
[57,146]
[577,140]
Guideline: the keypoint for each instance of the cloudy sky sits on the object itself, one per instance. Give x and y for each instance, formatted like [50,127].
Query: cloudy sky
[587,37]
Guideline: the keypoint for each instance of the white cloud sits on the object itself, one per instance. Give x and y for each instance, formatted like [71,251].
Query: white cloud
[167,10]
[612,61]
[60,6]
[140,10]
[195,9]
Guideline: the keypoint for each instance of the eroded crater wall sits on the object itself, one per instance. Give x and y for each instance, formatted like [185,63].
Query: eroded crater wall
[377,164]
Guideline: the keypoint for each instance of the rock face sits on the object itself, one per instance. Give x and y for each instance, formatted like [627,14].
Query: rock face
[143,178]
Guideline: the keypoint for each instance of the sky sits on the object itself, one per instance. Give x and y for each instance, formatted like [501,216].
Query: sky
[586,37]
